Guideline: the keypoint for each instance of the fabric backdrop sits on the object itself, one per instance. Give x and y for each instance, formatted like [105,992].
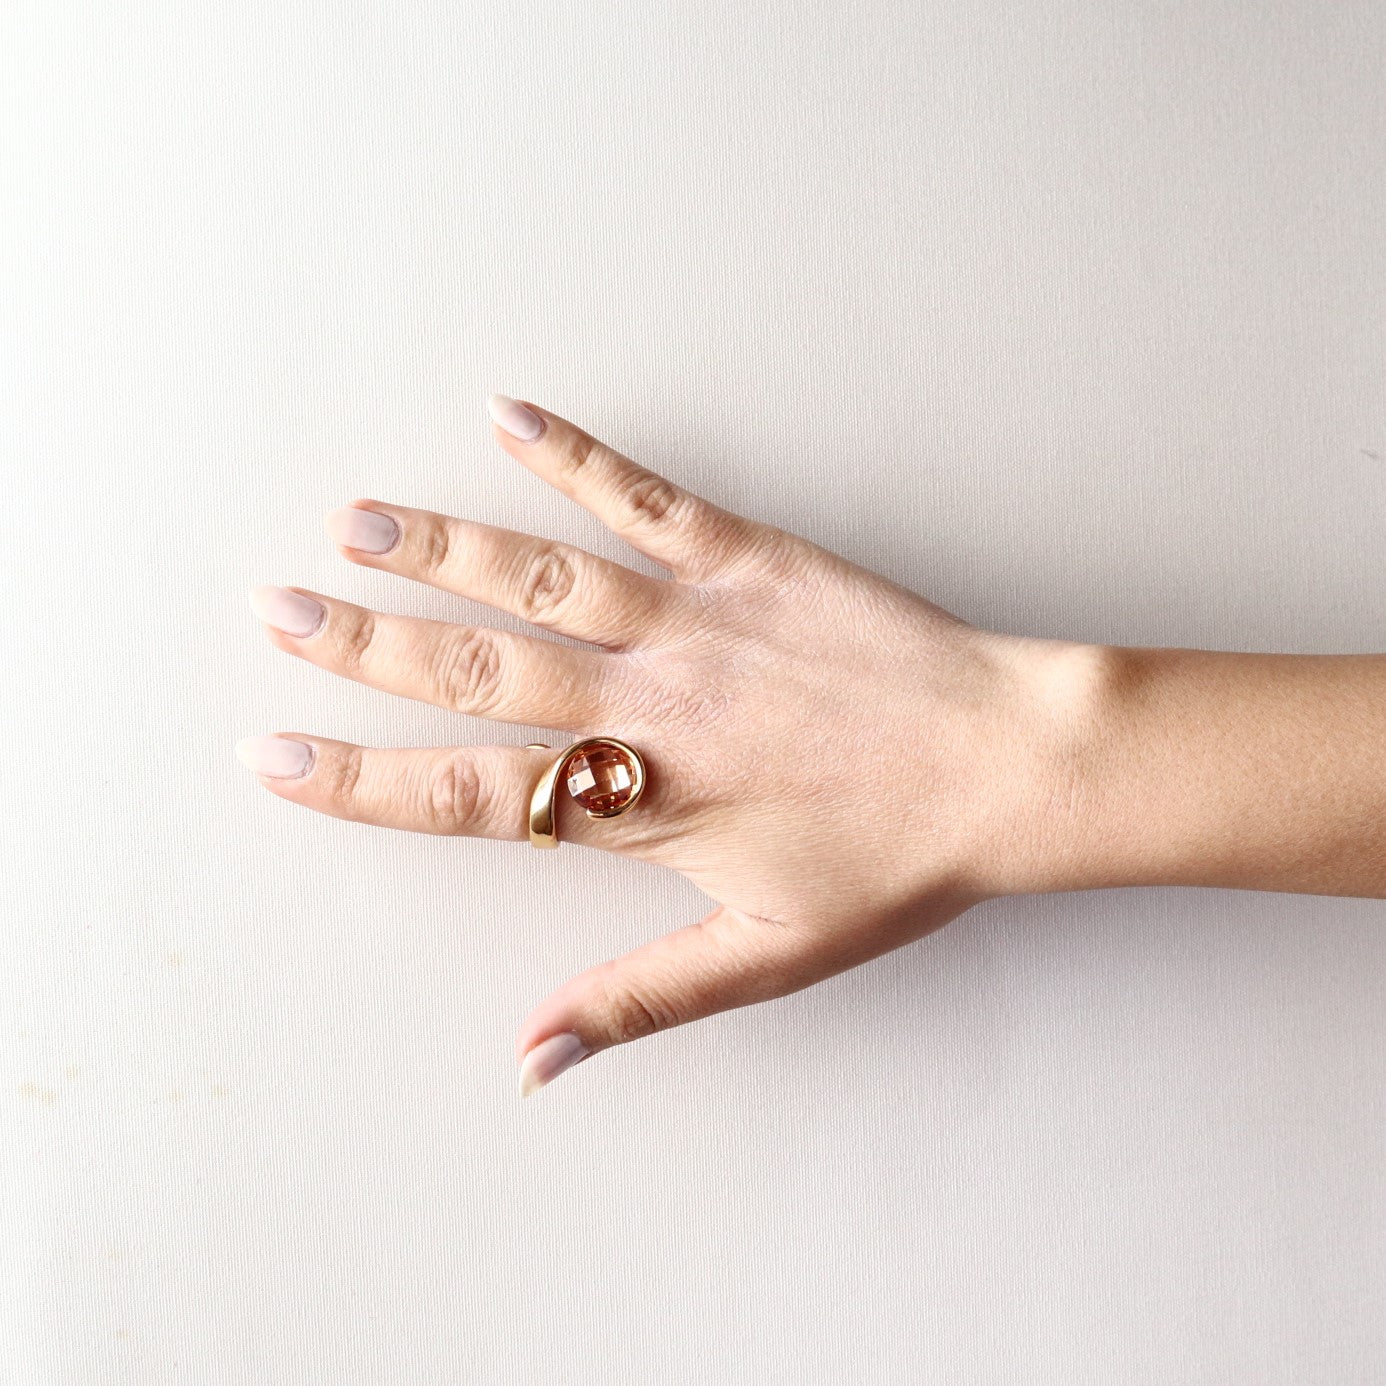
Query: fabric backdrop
[1071,317]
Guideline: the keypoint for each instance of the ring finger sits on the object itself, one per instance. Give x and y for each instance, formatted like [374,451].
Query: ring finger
[548,584]
[468,669]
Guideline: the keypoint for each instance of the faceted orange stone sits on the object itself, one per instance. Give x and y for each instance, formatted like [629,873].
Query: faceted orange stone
[601,779]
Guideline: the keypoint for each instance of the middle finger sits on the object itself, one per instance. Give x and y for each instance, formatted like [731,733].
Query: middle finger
[469,669]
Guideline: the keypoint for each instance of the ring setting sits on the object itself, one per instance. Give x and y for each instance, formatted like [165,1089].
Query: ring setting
[604,776]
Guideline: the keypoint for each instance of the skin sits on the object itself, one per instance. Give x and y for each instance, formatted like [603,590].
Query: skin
[841,765]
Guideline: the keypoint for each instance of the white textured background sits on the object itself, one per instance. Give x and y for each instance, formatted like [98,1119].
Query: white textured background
[1072,317]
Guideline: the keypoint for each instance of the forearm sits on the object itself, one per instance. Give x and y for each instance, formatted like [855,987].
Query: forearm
[1196,767]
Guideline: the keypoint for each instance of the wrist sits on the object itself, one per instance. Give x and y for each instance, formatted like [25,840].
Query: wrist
[1046,828]
[1172,766]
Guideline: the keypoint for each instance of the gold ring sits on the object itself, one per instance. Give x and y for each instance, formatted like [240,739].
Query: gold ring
[604,776]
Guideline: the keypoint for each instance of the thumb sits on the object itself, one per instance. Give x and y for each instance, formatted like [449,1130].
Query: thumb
[725,960]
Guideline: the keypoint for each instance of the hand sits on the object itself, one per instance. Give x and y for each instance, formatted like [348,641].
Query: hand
[841,765]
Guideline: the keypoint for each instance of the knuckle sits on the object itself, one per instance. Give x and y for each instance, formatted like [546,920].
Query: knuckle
[455,798]
[683,693]
[434,544]
[548,582]
[653,500]
[576,451]
[682,690]
[695,707]
[781,562]
[634,1011]
[469,672]
[338,778]
[353,632]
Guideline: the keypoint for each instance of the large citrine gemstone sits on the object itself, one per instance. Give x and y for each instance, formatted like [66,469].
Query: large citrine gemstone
[601,779]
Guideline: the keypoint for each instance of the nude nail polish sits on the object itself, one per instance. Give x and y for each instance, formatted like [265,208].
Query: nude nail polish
[279,757]
[548,1059]
[291,612]
[514,418]
[367,530]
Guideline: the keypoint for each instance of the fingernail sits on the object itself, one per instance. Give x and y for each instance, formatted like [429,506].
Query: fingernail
[291,612]
[367,530]
[548,1059]
[279,757]
[514,418]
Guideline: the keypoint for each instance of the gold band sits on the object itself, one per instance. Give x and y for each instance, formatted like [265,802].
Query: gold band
[542,829]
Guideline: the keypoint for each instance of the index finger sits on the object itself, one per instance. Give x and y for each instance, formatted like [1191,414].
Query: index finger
[452,791]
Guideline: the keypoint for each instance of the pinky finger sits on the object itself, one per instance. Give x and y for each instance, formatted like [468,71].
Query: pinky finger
[469,791]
